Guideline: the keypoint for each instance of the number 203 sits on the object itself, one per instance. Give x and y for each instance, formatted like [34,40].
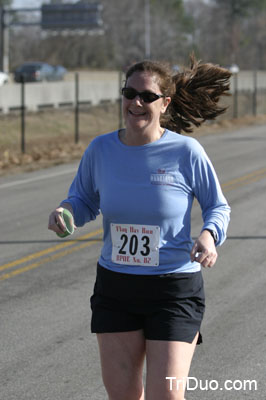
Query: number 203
[134,244]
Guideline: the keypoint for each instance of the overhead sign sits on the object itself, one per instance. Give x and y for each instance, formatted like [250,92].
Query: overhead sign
[71,16]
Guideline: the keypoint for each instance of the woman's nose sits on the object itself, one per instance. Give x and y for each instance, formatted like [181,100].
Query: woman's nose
[138,99]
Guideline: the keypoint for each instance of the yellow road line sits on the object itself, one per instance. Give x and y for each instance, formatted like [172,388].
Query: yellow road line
[49,250]
[45,260]
[244,180]
[230,185]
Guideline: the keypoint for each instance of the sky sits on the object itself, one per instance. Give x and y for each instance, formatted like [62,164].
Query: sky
[26,3]
[29,3]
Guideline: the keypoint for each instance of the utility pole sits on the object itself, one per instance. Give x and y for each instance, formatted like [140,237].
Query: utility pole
[2,38]
[6,44]
[147,29]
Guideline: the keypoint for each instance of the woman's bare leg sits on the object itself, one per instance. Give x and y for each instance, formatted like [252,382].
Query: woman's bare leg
[168,359]
[122,356]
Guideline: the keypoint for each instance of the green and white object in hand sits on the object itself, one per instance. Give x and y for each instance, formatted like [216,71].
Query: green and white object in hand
[69,223]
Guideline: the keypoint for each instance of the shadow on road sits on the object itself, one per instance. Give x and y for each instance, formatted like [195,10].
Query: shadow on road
[100,240]
[50,241]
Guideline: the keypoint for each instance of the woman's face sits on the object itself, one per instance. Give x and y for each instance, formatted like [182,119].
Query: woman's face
[138,115]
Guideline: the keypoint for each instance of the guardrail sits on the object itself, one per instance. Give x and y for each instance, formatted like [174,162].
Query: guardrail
[94,88]
[248,91]
[37,96]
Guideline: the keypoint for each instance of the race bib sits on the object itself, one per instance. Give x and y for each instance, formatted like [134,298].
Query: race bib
[135,244]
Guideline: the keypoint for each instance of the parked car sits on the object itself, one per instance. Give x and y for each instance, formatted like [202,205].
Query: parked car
[38,72]
[234,68]
[59,72]
[3,78]
[176,68]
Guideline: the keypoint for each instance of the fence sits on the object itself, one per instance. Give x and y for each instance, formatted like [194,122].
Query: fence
[248,96]
[94,87]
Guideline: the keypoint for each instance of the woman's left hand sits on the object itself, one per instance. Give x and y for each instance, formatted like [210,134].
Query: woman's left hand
[204,250]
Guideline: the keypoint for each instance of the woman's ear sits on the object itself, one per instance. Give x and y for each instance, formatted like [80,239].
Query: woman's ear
[166,102]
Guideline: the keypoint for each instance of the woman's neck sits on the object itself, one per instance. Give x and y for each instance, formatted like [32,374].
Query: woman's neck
[139,138]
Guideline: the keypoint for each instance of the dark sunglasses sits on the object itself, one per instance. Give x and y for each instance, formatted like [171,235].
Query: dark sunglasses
[146,96]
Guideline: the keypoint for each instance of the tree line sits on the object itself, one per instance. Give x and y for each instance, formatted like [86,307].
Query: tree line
[219,31]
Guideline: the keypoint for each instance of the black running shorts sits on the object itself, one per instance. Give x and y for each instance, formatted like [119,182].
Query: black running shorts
[166,307]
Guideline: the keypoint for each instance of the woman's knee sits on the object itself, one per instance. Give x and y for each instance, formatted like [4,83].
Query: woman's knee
[168,365]
[123,382]
[122,392]
[122,357]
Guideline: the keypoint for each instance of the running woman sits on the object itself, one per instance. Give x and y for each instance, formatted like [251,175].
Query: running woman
[148,300]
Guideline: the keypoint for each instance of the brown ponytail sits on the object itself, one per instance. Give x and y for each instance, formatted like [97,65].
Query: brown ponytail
[195,92]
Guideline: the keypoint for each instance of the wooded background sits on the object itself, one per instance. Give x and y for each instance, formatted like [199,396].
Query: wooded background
[219,31]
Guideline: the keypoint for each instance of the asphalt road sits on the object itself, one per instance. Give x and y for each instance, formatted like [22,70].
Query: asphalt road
[46,349]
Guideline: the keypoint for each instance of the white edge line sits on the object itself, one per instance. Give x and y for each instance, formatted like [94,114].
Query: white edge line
[29,180]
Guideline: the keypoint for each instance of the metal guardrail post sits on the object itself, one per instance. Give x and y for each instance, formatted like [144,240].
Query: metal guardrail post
[76,107]
[235,111]
[22,116]
[255,89]
[120,110]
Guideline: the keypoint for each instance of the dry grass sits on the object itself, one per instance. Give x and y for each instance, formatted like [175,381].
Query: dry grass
[50,135]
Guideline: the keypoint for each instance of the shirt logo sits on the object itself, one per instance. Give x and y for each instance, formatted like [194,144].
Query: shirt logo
[161,177]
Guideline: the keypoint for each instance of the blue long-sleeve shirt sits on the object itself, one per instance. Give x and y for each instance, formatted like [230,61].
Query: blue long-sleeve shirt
[145,194]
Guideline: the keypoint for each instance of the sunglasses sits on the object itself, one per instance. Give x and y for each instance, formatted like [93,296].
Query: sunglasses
[146,96]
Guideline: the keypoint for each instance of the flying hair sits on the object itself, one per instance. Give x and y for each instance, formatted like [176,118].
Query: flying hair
[195,92]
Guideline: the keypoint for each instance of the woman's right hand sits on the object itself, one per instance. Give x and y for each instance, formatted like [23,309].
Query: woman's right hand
[56,222]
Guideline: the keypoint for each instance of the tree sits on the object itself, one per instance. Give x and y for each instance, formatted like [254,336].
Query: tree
[6,3]
[234,12]
[219,31]
[240,8]
[171,30]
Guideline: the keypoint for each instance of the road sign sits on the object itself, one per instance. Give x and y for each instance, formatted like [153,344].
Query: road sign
[71,16]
